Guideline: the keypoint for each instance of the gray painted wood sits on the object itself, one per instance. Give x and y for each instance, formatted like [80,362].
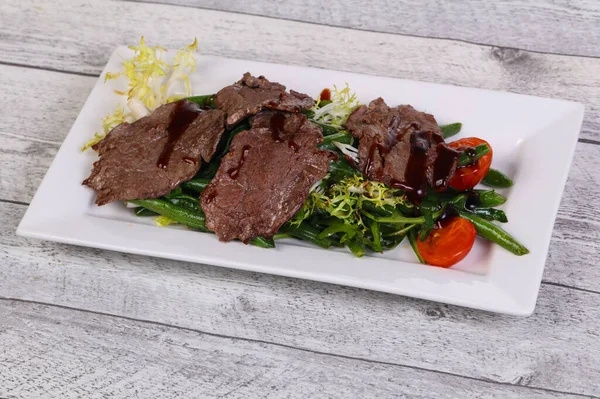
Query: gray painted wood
[50,42]
[556,26]
[547,350]
[48,352]
[341,340]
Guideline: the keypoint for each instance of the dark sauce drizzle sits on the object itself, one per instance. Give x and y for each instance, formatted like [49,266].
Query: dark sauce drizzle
[189,161]
[371,158]
[277,128]
[392,137]
[415,179]
[210,197]
[444,162]
[184,113]
[277,122]
[449,212]
[470,152]
[473,200]
[235,172]
[293,145]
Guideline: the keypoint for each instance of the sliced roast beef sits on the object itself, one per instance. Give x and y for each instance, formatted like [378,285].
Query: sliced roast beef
[266,176]
[152,156]
[250,95]
[402,147]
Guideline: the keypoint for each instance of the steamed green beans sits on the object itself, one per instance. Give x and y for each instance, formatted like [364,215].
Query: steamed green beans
[495,234]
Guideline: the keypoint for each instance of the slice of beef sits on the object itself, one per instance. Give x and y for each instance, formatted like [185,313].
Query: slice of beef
[250,95]
[402,147]
[152,156]
[266,176]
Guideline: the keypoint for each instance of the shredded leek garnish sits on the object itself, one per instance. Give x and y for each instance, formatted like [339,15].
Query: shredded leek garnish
[150,77]
[343,102]
[108,123]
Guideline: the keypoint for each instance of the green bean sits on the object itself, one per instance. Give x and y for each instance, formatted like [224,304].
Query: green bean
[424,233]
[412,238]
[402,231]
[491,214]
[182,196]
[192,203]
[281,236]
[341,137]
[389,245]
[489,198]
[376,237]
[178,213]
[377,210]
[341,169]
[466,158]
[262,242]
[204,101]
[490,231]
[338,227]
[307,233]
[238,129]
[310,114]
[356,248]
[190,218]
[396,218]
[143,212]
[495,178]
[209,171]
[451,129]
[196,185]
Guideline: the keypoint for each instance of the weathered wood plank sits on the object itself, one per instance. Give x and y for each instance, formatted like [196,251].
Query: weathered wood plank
[541,25]
[547,350]
[37,109]
[58,353]
[49,42]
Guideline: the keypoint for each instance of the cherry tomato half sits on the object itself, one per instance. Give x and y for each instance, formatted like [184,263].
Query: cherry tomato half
[467,177]
[448,243]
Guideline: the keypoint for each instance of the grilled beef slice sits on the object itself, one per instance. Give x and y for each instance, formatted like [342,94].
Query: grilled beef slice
[250,95]
[152,156]
[402,147]
[266,176]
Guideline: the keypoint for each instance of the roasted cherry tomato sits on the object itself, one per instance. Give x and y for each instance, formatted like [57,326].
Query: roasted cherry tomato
[448,243]
[467,177]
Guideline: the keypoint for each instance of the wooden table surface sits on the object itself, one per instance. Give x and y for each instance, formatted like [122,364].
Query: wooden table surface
[86,323]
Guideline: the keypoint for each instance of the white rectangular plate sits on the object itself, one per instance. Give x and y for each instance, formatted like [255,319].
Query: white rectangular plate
[533,141]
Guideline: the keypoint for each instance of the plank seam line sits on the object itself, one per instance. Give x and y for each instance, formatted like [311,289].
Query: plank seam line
[15,203]
[41,68]
[30,138]
[360,29]
[543,282]
[568,287]
[259,341]
[589,141]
